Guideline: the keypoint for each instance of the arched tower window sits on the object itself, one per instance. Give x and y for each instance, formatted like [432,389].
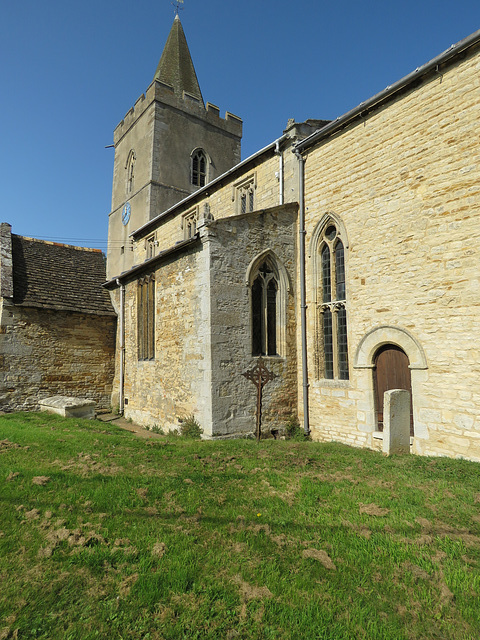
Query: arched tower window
[199,168]
[330,294]
[130,171]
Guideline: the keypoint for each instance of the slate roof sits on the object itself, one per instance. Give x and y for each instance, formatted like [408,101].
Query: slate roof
[176,65]
[59,276]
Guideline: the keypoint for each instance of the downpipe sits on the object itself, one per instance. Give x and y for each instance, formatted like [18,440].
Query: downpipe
[121,401]
[303,304]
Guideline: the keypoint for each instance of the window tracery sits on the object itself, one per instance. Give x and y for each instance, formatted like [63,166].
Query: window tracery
[199,168]
[331,305]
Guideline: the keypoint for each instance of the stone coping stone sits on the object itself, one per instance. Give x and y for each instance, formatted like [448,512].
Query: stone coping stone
[69,407]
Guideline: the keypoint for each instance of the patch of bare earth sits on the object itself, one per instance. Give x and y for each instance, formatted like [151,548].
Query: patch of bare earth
[126,584]
[86,464]
[250,592]
[443,530]
[41,481]
[6,444]
[288,495]
[159,549]
[373,509]
[358,529]
[321,556]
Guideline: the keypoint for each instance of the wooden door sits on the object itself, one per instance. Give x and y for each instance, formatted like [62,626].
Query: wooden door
[391,372]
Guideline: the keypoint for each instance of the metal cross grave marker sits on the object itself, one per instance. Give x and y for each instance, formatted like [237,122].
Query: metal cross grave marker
[259,375]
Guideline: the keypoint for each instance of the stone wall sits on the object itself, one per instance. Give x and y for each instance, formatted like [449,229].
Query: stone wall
[176,383]
[405,182]
[203,331]
[234,243]
[44,353]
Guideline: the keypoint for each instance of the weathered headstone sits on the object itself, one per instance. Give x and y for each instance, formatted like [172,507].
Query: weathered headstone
[396,421]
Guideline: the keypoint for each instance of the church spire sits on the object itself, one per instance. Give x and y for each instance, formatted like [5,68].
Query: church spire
[176,66]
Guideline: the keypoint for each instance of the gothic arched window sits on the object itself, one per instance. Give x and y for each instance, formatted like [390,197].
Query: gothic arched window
[265,310]
[199,168]
[332,348]
[130,169]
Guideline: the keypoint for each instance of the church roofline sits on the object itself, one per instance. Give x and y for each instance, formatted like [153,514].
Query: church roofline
[238,168]
[404,84]
[148,264]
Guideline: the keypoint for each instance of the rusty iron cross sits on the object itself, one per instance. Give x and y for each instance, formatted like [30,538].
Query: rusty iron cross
[259,375]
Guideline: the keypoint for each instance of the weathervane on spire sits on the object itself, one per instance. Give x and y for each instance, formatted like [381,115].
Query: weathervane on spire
[177,6]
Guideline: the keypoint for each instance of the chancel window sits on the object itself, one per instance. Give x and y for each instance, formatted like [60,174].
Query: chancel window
[199,168]
[146,318]
[332,348]
[264,311]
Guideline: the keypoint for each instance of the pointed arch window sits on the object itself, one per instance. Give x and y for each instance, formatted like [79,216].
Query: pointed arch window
[264,311]
[130,170]
[331,347]
[199,168]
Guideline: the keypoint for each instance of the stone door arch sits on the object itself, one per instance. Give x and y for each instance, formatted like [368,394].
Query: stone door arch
[364,363]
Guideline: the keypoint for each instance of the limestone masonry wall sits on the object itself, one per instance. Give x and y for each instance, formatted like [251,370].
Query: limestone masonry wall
[45,353]
[173,385]
[406,184]
[234,243]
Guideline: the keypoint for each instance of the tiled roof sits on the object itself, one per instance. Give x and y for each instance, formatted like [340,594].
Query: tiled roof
[59,276]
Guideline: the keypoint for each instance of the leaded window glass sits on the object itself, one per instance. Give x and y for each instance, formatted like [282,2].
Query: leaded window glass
[264,294]
[332,347]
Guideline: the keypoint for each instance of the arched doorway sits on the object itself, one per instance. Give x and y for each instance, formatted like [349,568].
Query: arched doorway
[391,371]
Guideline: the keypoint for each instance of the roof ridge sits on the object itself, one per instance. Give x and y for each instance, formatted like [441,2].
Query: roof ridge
[58,244]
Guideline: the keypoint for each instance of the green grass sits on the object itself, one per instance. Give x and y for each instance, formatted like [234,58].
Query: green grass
[174,538]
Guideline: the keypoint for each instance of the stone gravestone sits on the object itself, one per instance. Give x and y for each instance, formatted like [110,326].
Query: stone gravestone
[396,421]
[69,407]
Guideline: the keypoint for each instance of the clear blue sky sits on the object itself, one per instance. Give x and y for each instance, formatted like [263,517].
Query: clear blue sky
[70,71]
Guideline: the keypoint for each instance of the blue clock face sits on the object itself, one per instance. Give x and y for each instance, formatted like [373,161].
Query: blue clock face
[127,210]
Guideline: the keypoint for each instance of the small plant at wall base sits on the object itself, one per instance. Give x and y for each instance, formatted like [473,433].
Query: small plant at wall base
[293,430]
[190,428]
[156,429]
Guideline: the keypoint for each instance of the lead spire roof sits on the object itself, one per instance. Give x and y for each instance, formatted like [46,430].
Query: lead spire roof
[176,65]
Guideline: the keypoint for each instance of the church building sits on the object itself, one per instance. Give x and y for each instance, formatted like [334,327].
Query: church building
[344,254]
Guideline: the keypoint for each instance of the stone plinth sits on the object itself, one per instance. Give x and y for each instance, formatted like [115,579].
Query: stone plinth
[69,407]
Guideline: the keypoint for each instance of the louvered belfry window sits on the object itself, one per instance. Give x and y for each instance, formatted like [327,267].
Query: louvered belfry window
[332,347]
[199,168]
[146,318]
[264,312]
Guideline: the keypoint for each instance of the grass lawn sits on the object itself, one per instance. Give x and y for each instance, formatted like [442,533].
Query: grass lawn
[106,535]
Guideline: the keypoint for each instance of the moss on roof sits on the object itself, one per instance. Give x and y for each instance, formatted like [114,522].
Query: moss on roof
[176,65]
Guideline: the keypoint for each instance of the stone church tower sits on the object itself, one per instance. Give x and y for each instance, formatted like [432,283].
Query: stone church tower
[168,145]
